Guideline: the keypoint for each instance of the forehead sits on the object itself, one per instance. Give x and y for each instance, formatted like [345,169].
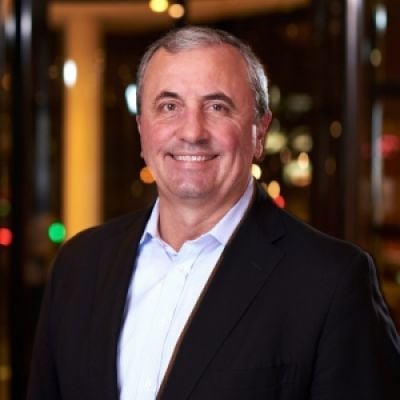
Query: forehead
[220,65]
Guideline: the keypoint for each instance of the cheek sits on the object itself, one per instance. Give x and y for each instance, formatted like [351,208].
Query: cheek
[147,145]
[150,136]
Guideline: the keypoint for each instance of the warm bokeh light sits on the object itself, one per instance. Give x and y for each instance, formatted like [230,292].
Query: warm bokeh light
[146,176]
[256,171]
[298,172]
[275,96]
[70,73]
[5,237]
[389,144]
[303,142]
[274,189]
[276,141]
[6,82]
[176,11]
[303,160]
[335,129]
[280,201]
[158,6]
[375,57]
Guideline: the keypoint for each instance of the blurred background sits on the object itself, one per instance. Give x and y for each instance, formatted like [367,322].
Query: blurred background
[69,147]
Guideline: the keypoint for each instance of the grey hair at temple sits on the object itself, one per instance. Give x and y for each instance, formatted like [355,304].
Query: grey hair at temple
[193,37]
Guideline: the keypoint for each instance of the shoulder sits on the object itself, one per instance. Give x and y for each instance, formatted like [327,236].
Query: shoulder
[306,247]
[87,250]
[107,232]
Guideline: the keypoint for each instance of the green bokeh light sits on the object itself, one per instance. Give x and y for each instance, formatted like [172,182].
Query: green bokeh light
[57,232]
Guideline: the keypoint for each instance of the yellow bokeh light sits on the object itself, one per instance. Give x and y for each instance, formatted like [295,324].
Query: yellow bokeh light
[335,129]
[303,160]
[158,6]
[256,171]
[176,11]
[375,57]
[146,176]
[274,189]
[6,82]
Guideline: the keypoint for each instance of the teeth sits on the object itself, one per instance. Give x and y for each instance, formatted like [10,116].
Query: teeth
[192,158]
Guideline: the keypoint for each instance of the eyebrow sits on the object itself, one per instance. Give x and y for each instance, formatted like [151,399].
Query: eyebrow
[166,94]
[212,96]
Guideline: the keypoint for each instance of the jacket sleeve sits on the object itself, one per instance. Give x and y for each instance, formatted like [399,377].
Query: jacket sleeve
[359,350]
[43,383]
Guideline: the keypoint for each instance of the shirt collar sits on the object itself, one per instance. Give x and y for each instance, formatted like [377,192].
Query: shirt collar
[222,231]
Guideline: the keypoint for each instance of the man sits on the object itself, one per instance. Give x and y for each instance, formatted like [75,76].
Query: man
[213,293]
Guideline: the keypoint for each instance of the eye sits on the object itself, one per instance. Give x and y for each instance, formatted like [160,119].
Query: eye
[168,107]
[220,108]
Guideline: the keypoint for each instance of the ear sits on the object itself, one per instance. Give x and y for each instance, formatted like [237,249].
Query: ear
[139,127]
[261,127]
[138,123]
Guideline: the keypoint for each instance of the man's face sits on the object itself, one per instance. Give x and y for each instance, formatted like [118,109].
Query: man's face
[197,125]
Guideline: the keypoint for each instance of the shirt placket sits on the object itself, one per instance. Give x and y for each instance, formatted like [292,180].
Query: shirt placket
[171,292]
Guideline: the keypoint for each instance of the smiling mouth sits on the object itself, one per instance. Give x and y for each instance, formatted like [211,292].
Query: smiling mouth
[192,158]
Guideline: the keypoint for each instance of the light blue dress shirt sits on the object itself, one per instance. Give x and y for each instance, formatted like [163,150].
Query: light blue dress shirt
[163,292]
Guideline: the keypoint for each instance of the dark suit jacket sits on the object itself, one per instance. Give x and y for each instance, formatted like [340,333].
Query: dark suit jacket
[289,314]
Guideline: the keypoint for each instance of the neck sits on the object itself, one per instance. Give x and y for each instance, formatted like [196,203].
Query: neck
[189,220]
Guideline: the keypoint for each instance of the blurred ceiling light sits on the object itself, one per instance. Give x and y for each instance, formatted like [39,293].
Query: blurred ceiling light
[70,73]
[158,6]
[130,98]
[380,18]
[256,171]
[176,11]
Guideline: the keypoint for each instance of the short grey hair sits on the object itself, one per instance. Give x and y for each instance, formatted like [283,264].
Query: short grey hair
[193,37]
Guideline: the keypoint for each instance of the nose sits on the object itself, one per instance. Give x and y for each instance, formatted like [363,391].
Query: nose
[193,128]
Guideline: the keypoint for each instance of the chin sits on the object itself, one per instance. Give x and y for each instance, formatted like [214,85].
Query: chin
[191,191]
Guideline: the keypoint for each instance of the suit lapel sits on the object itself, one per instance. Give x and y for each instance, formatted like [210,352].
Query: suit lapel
[245,265]
[115,271]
